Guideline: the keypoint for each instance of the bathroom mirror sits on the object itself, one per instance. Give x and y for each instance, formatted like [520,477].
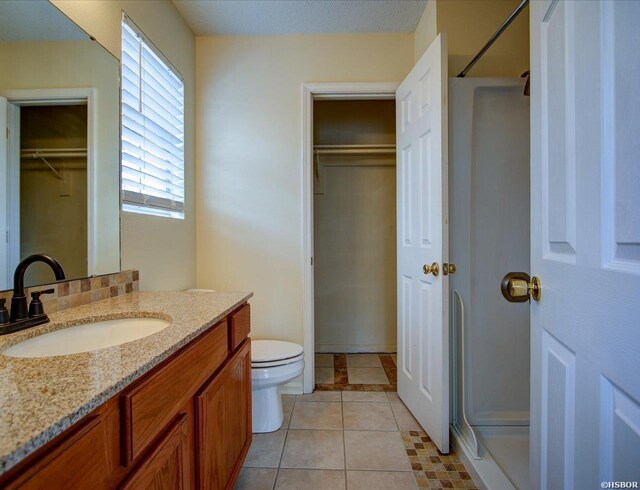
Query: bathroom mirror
[59,166]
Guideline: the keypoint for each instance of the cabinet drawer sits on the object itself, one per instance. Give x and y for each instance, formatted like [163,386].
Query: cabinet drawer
[239,326]
[151,404]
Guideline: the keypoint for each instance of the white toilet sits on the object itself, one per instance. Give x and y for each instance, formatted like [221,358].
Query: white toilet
[273,363]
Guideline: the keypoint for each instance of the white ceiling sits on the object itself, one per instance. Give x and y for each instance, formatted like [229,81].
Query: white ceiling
[273,17]
[36,20]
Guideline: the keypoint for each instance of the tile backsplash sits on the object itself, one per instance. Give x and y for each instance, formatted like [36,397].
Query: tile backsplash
[78,292]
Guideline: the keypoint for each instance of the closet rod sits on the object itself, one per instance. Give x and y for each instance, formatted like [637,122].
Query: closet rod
[354,149]
[53,152]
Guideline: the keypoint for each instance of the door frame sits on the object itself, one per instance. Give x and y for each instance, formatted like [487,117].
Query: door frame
[311,92]
[60,96]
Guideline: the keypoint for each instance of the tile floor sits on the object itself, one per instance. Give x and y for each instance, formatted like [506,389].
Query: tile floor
[352,439]
[355,372]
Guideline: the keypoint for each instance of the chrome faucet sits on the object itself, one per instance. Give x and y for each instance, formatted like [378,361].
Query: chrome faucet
[20,316]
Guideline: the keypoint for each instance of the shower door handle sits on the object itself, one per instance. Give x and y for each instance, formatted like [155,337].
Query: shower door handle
[518,287]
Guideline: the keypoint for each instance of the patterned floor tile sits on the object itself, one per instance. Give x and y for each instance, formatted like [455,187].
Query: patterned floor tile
[432,469]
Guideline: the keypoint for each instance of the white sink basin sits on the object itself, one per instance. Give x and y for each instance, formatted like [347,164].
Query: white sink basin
[87,337]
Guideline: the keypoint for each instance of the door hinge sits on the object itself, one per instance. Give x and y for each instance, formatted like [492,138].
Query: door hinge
[312,260]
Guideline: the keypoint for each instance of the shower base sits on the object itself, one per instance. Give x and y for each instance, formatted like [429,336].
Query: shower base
[509,447]
[504,457]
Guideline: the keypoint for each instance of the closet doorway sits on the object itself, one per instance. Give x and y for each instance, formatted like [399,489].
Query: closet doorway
[350,300]
[50,170]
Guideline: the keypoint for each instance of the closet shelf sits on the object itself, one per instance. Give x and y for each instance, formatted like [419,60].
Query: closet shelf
[354,149]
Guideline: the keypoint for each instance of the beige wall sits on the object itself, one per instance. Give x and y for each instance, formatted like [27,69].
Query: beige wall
[426,31]
[249,151]
[163,249]
[470,23]
[79,64]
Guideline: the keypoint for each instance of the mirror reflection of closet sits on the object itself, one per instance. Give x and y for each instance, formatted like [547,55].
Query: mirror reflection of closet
[53,187]
[60,164]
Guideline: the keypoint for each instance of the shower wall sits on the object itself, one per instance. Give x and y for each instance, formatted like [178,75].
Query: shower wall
[489,236]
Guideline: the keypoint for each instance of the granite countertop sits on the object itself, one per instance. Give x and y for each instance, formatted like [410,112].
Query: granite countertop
[41,397]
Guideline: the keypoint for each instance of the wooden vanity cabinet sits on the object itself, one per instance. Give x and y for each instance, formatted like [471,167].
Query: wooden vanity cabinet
[223,414]
[151,403]
[184,425]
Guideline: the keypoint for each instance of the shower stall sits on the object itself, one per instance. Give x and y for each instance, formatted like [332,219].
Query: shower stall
[489,236]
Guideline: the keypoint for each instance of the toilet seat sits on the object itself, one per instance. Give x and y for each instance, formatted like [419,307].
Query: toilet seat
[281,362]
[272,353]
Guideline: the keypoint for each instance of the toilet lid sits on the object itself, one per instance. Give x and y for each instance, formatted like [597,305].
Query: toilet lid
[273,350]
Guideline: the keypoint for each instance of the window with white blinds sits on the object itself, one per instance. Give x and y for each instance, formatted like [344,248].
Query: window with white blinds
[152,129]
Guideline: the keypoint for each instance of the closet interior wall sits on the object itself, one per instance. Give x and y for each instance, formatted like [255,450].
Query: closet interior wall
[53,199]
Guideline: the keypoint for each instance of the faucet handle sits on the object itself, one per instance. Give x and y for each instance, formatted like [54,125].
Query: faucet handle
[36,294]
[35,307]
[4,314]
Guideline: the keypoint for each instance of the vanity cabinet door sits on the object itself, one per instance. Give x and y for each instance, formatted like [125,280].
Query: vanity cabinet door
[167,466]
[79,461]
[223,421]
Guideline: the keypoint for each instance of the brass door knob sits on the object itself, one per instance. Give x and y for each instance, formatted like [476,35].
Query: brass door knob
[518,287]
[448,268]
[431,269]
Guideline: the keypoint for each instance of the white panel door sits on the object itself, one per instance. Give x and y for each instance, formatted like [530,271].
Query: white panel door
[585,243]
[4,212]
[423,299]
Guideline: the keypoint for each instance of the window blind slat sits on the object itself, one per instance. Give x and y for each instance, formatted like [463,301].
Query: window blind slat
[142,173]
[171,104]
[162,70]
[147,189]
[135,156]
[168,100]
[147,146]
[152,73]
[139,109]
[151,116]
[132,182]
[137,199]
[152,129]
[142,125]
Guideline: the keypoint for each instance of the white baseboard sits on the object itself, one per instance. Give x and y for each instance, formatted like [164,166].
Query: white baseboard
[486,474]
[354,348]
